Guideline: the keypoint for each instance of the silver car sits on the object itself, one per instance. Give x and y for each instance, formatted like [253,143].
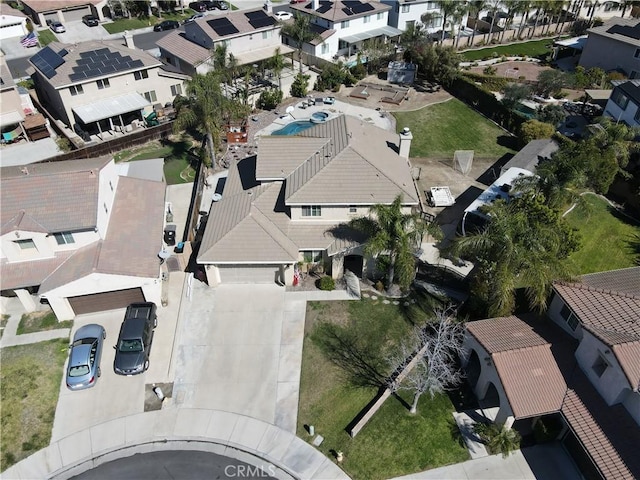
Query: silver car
[84,357]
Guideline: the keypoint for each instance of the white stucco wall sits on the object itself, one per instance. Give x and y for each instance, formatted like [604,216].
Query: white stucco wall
[335,213]
[12,26]
[398,17]
[46,245]
[101,282]
[553,312]
[617,114]
[632,404]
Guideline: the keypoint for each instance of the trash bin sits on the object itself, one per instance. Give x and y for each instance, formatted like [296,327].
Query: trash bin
[170,235]
[179,248]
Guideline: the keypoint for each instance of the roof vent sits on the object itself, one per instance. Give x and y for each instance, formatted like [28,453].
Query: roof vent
[25,170]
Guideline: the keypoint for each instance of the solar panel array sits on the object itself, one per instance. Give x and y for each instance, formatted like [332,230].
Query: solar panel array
[355,7]
[324,7]
[223,27]
[260,19]
[46,60]
[98,63]
[627,31]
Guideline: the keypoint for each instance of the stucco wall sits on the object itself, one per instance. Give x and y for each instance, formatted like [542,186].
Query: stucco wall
[337,214]
[609,54]
[553,312]
[617,114]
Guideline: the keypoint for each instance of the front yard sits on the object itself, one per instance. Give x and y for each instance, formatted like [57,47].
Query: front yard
[30,377]
[394,442]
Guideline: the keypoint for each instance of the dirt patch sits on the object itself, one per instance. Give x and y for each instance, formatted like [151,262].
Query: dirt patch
[515,70]
[151,400]
[41,321]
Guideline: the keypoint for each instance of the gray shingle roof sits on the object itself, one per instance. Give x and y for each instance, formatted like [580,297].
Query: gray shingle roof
[621,29]
[178,45]
[529,157]
[50,197]
[339,11]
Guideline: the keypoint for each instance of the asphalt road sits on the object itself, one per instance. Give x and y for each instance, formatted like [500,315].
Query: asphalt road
[175,465]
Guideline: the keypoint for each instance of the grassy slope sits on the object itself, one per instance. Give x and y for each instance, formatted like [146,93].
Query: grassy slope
[536,48]
[438,130]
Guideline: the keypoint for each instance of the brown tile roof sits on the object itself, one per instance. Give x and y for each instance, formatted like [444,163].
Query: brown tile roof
[10,11]
[237,17]
[504,334]
[50,197]
[48,5]
[178,45]
[29,274]
[624,280]
[338,11]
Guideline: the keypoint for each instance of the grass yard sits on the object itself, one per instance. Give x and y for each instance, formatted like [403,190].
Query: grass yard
[536,48]
[439,130]
[3,323]
[120,25]
[394,442]
[39,322]
[30,377]
[607,238]
[45,37]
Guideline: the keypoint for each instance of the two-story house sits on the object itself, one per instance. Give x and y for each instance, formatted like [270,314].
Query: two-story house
[343,26]
[80,236]
[614,46]
[581,365]
[102,86]
[13,23]
[624,103]
[284,205]
[64,10]
[406,13]
[251,36]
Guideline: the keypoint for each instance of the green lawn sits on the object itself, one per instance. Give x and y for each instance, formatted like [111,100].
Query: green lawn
[30,377]
[123,24]
[439,130]
[535,48]
[607,238]
[177,168]
[45,37]
[39,322]
[394,442]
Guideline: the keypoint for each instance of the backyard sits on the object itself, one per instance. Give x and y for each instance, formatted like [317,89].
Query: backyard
[536,48]
[440,129]
[30,377]
[395,442]
[607,238]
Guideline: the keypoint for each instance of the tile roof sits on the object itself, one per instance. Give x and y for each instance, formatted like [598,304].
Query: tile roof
[28,274]
[178,45]
[625,30]
[50,197]
[73,59]
[624,280]
[341,10]
[529,157]
[504,334]
[10,11]
[49,5]
[272,162]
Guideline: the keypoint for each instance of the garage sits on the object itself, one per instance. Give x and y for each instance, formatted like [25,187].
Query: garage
[76,13]
[249,273]
[99,302]
[12,29]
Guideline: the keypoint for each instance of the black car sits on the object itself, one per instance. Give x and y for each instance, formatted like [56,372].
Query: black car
[134,341]
[90,21]
[198,6]
[210,5]
[221,5]
[165,25]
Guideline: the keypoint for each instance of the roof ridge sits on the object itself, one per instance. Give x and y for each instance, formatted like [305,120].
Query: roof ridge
[582,286]
[264,222]
[382,172]
[528,347]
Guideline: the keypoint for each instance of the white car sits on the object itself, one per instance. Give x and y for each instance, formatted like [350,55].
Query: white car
[282,16]
[57,27]
[194,17]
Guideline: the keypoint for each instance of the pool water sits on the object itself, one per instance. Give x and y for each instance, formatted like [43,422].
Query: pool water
[294,127]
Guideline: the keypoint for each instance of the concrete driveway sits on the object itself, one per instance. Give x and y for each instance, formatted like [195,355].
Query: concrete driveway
[240,351]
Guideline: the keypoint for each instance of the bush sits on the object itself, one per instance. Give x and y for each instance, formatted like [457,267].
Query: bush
[497,438]
[300,85]
[332,77]
[490,70]
[359,71]
[63,143]
[379,286]
[489,83]
[327,283]
[535,130]
[269,98]
[546,429]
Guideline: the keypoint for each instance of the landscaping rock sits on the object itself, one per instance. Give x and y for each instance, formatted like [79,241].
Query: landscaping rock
[318,440]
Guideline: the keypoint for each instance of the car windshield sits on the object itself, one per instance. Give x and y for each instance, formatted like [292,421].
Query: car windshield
[134,345]
[78,370]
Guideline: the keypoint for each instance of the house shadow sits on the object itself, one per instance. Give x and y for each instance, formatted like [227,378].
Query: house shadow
[492,173]
[247,172]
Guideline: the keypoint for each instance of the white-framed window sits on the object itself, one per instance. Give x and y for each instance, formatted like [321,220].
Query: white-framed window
[64,238]
[344,24]
[312,256]
[150,96]
[342,44]
[140,74]
[76,90]
[405,8]
[103,83]
[569,317]
[312,211]
[367,19]
[380,16]
[176,89]
[325,48]
[353,209]
[620,98]
[600,365]
[26,244]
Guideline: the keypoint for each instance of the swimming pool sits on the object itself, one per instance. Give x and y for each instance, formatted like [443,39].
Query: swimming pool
[294,127]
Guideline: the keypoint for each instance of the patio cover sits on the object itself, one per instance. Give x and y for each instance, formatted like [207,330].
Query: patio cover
[111,107]
[261,54]
[377,32]
[598,94]
[10,118]
[576,43]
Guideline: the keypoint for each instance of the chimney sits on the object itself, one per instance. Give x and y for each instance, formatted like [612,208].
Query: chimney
[405,142]
[128,40]
[315,5]
[268,6]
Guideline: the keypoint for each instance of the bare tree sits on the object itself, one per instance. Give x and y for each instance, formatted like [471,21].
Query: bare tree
[428,361]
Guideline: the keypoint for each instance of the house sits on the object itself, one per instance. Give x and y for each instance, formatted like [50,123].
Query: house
[63,11]
[79,236]
[580,365]
[13,23]
[252,36]
[531,154]
[343,26]
[624,103]
[407,13]
[614,46]
[102,86]
[285,205]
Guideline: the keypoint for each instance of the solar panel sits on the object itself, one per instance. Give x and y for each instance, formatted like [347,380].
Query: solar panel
[255,14]
[324,7]
[63,52]
[97,63]
[262,22]
[46,60]
[223,27]
[627,31]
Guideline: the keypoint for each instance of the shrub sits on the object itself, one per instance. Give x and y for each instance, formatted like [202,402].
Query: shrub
[498,438]
[535,130]
[300,85]
[29,84]
[546,429]
[489,70]
[379,286]
[63,143]
[269,98]
[359,71]
[327,283]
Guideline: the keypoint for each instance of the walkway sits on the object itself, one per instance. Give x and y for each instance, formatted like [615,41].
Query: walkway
[10,337]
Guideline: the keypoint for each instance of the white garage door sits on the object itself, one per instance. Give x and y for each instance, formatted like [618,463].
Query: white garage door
[249,274]
[10,31]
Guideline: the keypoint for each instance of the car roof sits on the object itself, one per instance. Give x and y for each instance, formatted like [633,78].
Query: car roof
[80,354]
[88,331]
[132,328]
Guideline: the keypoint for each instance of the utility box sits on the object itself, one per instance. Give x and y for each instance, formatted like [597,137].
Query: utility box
[170,235]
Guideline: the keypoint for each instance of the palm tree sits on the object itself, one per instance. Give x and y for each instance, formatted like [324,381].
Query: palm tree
[394,233]
[300,31]
[461,10]
[448,9]
[276,63]
[475,7]
[539,6]
[513,7]
[494,6]
[525,7]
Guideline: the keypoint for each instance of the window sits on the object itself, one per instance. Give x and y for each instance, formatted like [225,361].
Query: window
[176,89]
[410,24]
[64,238]
[150,96]
[367,19]
[569,317]
[325,48]
[633,75]
[637,115]
[433,22]
[353,209]
[380,16]
[27,244]
[104,83]
[342,44]
[312,211]
[139,75]
[344,24]
[76,90]
[312,256]
[405,8]
[620,98]
[637,53]
[600,365]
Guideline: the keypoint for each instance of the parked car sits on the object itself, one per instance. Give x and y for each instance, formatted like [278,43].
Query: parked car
[57,27]
[90,21]
[198,6]
[221,5]
[282,16]
[165,25]
[134,341]
[85,352]
[210,5]
[194,17]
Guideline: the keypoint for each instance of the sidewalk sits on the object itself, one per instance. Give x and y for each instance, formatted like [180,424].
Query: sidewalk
[10,337]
